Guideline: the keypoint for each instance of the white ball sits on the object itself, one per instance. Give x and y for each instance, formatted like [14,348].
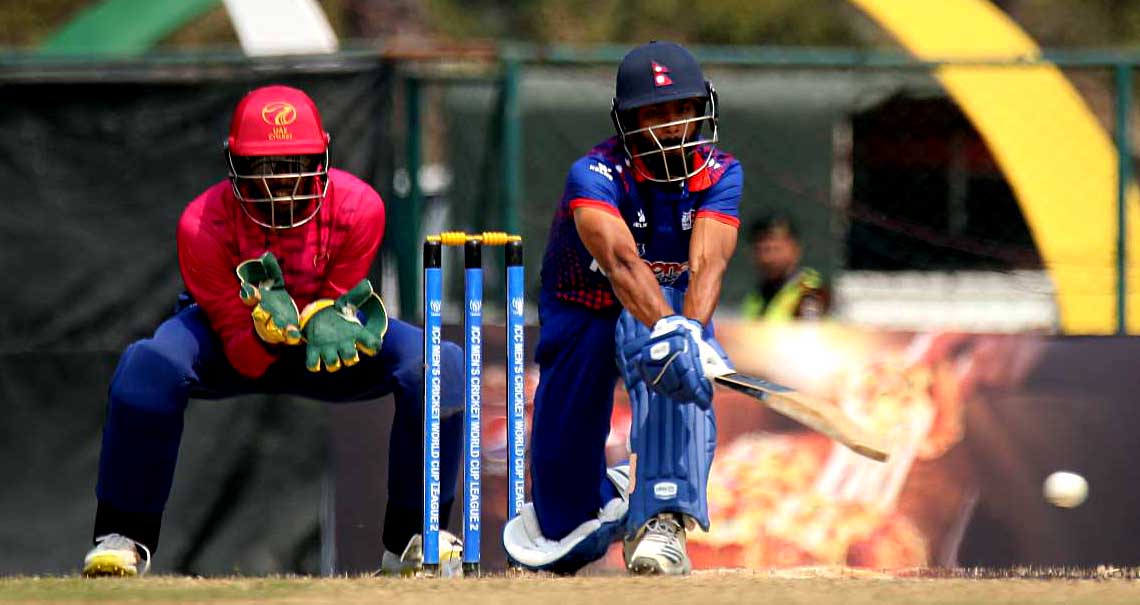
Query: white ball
[1065,489]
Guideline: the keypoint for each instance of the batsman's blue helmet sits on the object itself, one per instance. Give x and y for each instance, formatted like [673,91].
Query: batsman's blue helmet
[660,72]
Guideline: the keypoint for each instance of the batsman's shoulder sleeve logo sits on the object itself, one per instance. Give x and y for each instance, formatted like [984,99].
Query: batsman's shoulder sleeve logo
[602,169]
[279,113]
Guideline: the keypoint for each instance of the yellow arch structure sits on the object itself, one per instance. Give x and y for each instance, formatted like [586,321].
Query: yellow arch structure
[1058,160]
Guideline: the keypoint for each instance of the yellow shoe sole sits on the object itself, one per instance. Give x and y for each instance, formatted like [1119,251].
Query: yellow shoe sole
[108,564]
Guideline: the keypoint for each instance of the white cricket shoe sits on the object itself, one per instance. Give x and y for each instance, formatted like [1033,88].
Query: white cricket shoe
[411,561]
[659,548]
[116,555]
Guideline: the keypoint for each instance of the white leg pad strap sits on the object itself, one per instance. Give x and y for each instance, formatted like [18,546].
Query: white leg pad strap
[526,546]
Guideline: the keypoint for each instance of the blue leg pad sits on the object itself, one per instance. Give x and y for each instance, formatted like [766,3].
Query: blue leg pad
[673,442]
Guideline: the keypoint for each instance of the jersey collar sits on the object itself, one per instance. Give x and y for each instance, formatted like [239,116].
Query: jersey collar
[698,182]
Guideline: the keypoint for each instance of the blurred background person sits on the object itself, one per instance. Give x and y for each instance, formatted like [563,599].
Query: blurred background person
[784,289]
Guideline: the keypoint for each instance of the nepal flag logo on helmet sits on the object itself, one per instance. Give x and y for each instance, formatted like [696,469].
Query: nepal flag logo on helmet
[661,75]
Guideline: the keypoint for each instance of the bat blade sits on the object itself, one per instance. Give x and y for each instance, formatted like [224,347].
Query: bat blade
[811,412]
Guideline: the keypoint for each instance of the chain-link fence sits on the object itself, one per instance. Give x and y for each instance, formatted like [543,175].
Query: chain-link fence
[924,202]
[918,216]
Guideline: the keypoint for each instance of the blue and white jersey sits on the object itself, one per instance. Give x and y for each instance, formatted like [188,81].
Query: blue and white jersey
[659,215]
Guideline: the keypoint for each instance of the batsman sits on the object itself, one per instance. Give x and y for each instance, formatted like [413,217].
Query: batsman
[631,276]
[274,259]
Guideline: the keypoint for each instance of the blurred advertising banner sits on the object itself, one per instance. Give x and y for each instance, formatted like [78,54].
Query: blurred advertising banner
[975,422]
[781,495]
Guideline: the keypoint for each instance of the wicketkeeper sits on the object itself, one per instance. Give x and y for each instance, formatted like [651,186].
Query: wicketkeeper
[631,277]
[274,258]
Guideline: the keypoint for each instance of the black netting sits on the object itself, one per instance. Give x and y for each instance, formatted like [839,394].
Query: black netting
[96,173]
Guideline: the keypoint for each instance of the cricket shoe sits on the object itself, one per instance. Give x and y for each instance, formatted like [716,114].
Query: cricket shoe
[658,548]
[116,555]
[411,561]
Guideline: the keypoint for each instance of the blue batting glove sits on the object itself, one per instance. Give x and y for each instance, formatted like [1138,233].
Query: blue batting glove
[678,362]
[714,361]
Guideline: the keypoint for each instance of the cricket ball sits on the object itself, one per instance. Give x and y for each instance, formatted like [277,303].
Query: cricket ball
[1066,489]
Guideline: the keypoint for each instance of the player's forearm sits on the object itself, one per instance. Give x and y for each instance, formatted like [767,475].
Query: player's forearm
[704,289]
[712,245]
[637,289]
[611,244]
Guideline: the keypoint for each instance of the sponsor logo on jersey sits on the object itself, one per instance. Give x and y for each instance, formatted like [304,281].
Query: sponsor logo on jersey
[687,220]
[641,223]
[602,169]
[667,273]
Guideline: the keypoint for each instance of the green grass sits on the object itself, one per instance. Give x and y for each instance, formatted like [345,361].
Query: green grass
[707,587]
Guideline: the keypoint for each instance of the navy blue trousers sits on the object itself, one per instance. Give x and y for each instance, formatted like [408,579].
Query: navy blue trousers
[156,377]
[572,408]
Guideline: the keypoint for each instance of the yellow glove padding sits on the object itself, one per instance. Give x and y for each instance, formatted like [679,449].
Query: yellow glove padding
[274,312]
[335,330]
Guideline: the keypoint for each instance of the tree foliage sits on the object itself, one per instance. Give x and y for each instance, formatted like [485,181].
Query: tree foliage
[779,22]
[27,22]
[1053,23]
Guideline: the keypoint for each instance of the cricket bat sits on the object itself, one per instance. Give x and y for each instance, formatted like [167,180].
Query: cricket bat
[811,412]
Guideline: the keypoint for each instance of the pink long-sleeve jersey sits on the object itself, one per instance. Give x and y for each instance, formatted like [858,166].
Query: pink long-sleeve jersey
[321,259]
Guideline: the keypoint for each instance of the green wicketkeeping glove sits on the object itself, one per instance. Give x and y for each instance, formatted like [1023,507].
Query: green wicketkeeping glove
[370,309]
[336,330]
[275,317]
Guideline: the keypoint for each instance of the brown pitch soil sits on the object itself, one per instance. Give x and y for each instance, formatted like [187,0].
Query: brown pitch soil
[805,585]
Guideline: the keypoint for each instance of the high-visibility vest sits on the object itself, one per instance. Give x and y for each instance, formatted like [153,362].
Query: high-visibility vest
[783,305]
